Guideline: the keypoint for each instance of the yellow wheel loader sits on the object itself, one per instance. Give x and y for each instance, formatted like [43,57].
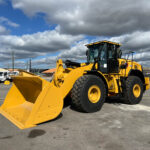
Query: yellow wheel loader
[33,100]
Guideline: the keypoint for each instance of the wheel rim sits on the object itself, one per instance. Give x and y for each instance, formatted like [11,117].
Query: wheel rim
[136,90]
[94,94]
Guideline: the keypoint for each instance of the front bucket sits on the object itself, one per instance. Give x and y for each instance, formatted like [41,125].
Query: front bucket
[31,100]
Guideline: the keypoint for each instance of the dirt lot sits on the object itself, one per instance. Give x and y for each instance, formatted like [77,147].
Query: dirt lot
[115,127]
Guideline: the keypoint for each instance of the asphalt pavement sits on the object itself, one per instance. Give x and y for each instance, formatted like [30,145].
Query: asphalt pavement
[116,127]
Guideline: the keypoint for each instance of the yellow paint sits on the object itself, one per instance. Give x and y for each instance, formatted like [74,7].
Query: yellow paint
[33,100]
[114,43]
[7,82]
[131,65]
[94,94]
[136,90]
[147,83]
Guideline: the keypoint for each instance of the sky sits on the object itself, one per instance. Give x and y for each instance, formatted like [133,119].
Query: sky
[46,30]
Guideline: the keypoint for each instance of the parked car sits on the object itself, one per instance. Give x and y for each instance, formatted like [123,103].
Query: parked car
[4,76]
[13,73]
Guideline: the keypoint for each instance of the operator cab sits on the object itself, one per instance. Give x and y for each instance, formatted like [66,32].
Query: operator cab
[106,54]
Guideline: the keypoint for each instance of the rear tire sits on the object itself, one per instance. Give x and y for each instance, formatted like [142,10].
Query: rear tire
[134,90]
[82,100]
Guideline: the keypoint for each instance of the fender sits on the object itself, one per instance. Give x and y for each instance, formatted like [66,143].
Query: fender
[135,72]
[99,74]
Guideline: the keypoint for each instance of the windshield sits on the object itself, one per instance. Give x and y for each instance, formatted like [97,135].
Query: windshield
[94,52]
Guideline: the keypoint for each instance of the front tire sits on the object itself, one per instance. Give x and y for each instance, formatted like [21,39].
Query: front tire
[88,93]
[134,90]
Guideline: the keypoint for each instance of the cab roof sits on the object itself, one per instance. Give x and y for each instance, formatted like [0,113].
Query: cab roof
[100,42]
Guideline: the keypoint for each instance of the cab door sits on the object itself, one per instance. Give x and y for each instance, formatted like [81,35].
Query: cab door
[103,64]
[112,62]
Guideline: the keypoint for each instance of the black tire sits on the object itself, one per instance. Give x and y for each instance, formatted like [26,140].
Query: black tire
[79,93]
[129,97]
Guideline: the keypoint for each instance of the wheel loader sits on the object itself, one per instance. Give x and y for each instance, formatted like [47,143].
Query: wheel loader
[33,100]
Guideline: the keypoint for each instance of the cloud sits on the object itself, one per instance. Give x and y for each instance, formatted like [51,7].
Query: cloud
[1,1]
[93,17]
[143,56]
[145,63]
[42,43]
[75,53]
[33,45]
[126,22]
[68,46]
[135,41]
[3,30]
[6,21]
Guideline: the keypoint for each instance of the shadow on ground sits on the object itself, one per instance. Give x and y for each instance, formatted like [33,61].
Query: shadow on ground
[35,133]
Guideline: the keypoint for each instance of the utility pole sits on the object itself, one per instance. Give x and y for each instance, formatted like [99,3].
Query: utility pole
[27,66]
[30,65]
[13,60]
